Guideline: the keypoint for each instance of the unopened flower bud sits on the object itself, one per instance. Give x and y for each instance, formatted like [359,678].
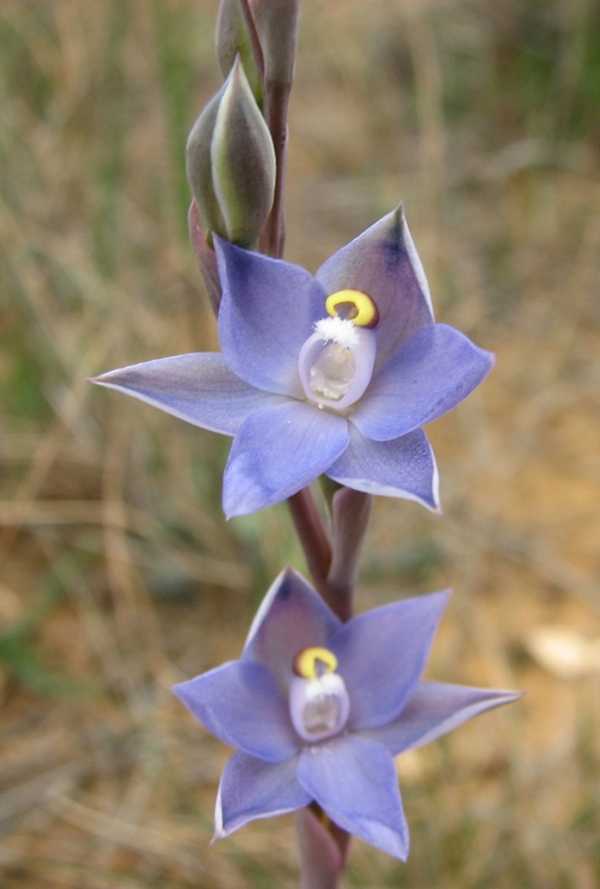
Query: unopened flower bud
[199,168]
[242,161]
[277,24]
[232,39]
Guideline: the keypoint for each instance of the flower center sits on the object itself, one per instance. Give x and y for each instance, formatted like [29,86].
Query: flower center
[332,373]
[336,361]
[319,702]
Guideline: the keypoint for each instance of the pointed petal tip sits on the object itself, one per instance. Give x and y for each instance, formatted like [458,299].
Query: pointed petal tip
[402,848]
[430,501]
[433,503]
[288,573]
[99,379]
[219,832]
[236,509]
[180,690]
[490,358]
[440,598]
[509,696]
[109,379]
[398,213]
[174,689]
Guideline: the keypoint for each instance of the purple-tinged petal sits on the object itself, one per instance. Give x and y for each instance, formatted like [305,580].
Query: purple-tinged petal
[435,709]
[383,263]
[198,388]
[429,375]
[292,616]
[242,704]
[252,789]
[277,452]
[404,468]
[354,780]
[381,655]
[269,308]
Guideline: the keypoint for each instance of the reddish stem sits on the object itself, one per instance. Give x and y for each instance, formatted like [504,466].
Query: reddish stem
[277,98]
[314,539]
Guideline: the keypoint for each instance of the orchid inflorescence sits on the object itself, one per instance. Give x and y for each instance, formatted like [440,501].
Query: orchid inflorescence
[329,375]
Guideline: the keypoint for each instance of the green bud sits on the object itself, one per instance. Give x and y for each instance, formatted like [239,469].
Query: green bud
[277,24]
[232,39]
[242,161]
[199,166]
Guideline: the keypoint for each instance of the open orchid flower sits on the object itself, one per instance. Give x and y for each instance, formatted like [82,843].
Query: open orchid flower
[331,374]
[317,709]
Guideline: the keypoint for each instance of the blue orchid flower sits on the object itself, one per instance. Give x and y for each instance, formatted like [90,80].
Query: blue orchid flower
[317,709]
[332,374]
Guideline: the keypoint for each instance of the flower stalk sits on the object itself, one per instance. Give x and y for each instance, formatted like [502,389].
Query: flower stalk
[277,97]
[322,852]
[315,540]
[277,24]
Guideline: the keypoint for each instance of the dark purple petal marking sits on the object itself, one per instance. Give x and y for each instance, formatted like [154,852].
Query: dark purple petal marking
[383,263]
[269,308]
[252,789]
[404,468]
[277,452]
[198,388]
[435,709]
[429,375]
[242,704]
[292,617]
[382,654]
[354,780]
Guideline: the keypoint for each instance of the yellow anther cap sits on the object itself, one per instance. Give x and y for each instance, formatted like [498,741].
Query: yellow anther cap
[353,305]
[310,663]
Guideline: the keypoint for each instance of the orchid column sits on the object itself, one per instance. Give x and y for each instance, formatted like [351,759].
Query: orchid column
[330,377]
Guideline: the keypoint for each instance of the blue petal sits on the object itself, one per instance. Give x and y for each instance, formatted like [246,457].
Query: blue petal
[269,308]
[277,452]
[354,780]
[198,388]
[241,703]
[429,375]
[435,709]
[382,654]
[383,263]
[251,789]
[404,468]
[291,617]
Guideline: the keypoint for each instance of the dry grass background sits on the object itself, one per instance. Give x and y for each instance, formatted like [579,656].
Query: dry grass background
[119,574]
